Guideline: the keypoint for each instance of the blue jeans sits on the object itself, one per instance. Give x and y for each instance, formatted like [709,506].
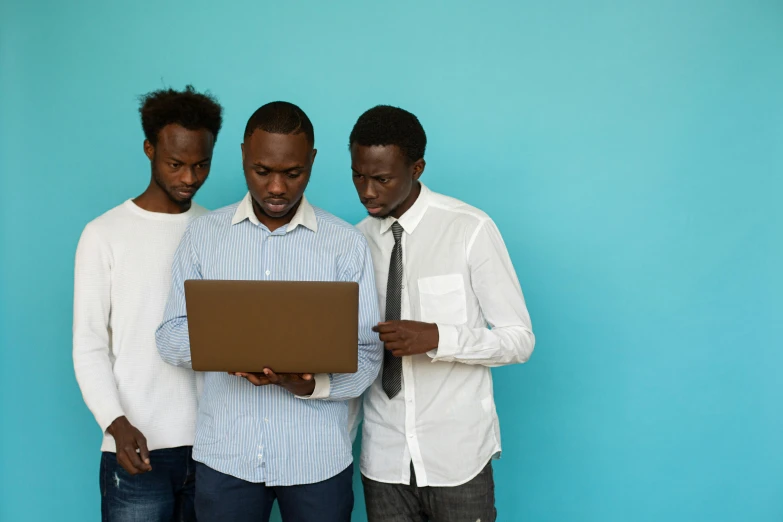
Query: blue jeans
[223,498]
[165,494]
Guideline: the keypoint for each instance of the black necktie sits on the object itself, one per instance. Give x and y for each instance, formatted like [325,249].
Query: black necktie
[392,366]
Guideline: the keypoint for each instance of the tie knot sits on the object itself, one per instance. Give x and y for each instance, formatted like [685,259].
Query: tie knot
[397,231]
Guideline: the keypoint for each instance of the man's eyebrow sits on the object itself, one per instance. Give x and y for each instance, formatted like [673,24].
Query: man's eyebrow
[265,167]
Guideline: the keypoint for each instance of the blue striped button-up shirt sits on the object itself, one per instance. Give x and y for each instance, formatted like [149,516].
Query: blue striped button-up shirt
[266,434]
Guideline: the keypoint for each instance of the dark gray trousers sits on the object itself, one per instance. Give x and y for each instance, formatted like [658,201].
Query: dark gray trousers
[471,502]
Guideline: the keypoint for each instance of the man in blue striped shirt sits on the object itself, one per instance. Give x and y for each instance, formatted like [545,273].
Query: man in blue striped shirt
[261,437]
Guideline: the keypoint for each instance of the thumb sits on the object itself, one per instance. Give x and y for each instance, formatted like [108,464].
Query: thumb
[144,452]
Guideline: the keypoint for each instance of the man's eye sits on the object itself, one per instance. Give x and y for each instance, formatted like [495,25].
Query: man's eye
[175,165]
[383,180]
[294,175]
[261,172]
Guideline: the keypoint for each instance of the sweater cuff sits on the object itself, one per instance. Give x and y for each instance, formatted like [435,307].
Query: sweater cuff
[109,415]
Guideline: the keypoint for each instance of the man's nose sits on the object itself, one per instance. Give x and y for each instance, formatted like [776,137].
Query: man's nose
[276,185]
[368,191]
[189,176]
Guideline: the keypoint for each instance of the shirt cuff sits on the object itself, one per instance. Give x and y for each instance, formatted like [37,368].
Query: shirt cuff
[323,387]
[111,414]
[447,343]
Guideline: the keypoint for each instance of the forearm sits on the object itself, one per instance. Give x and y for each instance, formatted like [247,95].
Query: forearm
[496,347]
[173,342]
[95,376]
[172,335]
[346,386]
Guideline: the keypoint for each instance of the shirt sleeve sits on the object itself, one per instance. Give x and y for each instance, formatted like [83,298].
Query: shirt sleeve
[172,334]
[91,335]
[509,338]
[343,386]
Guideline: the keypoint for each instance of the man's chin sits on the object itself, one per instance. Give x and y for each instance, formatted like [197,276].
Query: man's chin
[276,214]
[382,213]
[181,199]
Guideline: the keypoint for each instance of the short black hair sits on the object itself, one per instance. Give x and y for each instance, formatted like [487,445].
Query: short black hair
[280,117]
[191,109]
[387,125]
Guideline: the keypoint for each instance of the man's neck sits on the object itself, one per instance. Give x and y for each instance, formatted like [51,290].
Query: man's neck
[156,200]
[409,202]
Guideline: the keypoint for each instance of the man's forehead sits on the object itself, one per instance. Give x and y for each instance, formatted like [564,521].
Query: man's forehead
[179,138]
[277,149]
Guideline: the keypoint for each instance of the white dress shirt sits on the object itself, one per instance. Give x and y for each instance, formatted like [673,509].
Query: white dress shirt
[458,275]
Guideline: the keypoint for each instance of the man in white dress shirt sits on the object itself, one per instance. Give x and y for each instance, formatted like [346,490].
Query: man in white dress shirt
[453,308]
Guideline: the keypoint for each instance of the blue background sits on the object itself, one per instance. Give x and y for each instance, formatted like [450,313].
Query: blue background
[630,153]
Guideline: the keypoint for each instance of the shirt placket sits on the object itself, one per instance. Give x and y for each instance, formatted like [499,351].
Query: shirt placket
[409,385]
[267,255]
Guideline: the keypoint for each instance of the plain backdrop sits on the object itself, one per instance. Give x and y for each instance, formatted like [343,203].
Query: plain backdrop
[630,153]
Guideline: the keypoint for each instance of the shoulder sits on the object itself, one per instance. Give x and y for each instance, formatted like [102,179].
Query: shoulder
[456,217]
[105,226]
[368,226]
[336,228]
[457,209]
[211,221]
[198,210]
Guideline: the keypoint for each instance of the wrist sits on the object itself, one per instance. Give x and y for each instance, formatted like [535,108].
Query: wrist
[434,337]
[308,388]
[117,424]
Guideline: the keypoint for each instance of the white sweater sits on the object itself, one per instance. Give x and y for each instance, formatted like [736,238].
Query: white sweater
[121,283]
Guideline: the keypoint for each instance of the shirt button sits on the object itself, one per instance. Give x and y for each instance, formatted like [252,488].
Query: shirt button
[268,272]
[260,456]
[266,420]
[410,435]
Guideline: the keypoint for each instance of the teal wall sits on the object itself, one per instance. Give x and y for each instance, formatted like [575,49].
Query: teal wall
[630,152]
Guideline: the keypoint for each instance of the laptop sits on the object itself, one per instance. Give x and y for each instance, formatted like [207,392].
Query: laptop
[287,326]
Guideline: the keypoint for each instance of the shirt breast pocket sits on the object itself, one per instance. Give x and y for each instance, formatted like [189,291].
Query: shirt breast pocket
[442,299]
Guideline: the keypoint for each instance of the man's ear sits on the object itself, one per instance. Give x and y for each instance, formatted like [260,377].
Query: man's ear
[149,149]
[418,168]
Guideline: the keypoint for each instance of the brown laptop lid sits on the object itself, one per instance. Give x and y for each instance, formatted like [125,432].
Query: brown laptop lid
[288,326]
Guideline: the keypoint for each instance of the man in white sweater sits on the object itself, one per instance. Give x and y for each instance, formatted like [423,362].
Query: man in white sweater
[145,407]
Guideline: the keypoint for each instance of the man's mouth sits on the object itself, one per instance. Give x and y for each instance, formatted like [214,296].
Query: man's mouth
[185,192]
[276,205]
[373,208]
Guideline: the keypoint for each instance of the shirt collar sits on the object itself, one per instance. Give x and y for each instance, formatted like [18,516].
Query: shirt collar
[304,216]
[412,217]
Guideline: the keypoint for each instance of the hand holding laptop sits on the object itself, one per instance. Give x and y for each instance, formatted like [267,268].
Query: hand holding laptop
[301,384]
